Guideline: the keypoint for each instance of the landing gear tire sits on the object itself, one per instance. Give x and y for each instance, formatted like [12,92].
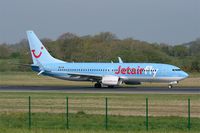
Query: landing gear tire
[97,85]
[111,86]
[170,86]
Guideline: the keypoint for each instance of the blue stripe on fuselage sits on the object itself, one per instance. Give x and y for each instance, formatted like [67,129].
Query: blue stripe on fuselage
[35,68]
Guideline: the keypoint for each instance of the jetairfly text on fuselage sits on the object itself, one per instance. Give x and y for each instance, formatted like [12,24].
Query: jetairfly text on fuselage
[131,70]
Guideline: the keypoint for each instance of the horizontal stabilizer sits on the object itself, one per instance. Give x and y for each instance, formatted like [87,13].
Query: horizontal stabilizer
[40,72]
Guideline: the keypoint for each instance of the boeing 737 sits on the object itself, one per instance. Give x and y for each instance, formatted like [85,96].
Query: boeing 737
[103,74]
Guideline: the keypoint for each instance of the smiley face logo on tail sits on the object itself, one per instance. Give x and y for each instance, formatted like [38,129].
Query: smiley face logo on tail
[37,56]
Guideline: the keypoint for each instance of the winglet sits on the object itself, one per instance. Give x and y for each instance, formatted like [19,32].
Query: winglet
[120,60]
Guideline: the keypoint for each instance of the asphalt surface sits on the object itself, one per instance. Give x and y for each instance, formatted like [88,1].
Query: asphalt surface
[126,90]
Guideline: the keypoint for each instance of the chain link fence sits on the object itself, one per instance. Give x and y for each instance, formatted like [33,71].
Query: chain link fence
[98,113]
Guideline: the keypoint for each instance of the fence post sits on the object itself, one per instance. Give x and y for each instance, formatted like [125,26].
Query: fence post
[189,126]
[106,115]
[147,119]
[29,112]
[67,113]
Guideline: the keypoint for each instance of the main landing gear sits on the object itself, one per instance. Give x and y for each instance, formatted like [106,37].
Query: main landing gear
[97,85]
[111,86]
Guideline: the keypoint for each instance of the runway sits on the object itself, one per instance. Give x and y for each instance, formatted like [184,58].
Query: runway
[123,90]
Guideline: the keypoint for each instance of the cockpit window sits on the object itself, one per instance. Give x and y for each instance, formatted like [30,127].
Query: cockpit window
[176,69]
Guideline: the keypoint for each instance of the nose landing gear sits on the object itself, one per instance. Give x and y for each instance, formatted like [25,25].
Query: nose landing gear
[172,83]
[170,86]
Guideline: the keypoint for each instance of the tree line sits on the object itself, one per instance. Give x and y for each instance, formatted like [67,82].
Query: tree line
[103,47]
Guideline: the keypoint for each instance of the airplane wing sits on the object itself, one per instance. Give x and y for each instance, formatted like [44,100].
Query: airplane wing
[19,64]
[85,74]
[94,77]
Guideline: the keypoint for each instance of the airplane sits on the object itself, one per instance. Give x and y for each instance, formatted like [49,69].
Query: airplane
[103,74]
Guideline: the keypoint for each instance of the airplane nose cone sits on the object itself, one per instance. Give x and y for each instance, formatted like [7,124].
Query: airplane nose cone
[185,75]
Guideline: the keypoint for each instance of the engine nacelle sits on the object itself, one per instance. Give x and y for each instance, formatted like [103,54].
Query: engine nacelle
[111,80]
[173,82]
[132,82]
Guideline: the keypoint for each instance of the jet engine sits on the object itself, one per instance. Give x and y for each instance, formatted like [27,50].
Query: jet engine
[132,82]
[111,80]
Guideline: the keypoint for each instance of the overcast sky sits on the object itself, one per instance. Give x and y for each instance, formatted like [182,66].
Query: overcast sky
[164,21]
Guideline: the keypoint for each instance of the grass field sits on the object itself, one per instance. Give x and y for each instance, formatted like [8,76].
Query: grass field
[126,112]
[32,79]
[95,123]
